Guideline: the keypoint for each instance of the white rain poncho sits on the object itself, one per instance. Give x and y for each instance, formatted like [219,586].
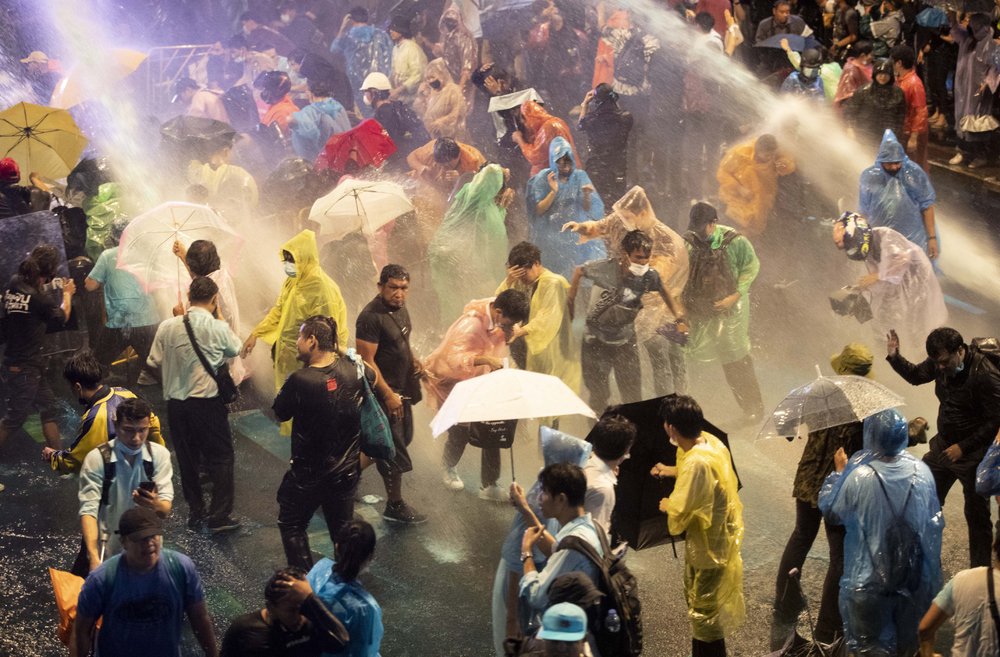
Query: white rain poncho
[877,621]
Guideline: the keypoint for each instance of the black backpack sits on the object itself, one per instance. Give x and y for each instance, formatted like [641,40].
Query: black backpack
[899,564]
[621,595]
[710,278]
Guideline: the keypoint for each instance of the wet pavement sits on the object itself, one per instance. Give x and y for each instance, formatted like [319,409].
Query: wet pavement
[434,581]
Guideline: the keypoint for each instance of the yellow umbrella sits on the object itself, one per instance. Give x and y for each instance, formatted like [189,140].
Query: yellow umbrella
[73,89]
[40,139]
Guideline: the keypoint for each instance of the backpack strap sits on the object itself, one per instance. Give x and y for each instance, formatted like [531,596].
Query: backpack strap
[728,238]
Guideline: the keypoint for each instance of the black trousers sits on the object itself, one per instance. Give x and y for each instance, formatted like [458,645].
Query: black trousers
[199,429]
[788,600]
[300,494]
[708,648]
[598,359]
[977,507]
[742,381]
[454,447]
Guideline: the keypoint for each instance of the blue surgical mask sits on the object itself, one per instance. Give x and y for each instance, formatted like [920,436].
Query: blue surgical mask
[291,270]
[124,450]
[961,367]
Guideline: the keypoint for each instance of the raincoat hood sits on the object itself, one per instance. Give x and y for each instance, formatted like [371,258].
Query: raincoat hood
[883,66]
[534,115]
[303,248]
[437,69]
[452,13]
[890,150]
[886,433]
[634,207]
[558,149]
[559,447]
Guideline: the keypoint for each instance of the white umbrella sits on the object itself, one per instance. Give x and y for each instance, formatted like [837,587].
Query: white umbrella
[507,394]
[146,246]
[359,205]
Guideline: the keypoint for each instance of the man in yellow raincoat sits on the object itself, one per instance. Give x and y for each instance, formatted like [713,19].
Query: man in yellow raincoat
[547,333]
[705,504]
[748,181]
[306,292]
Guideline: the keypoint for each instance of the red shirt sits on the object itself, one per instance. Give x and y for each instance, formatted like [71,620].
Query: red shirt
[916,103]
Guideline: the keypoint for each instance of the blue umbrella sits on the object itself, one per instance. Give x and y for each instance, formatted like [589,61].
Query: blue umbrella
[796,42]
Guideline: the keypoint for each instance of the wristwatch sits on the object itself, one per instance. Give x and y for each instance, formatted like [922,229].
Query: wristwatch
[525,556]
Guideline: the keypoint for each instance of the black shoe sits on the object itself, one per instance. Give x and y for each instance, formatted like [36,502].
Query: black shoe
[402,512]
[196,525]
[227,524]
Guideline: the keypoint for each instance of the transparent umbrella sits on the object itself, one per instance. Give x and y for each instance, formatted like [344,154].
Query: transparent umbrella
[829,401]
[357,204]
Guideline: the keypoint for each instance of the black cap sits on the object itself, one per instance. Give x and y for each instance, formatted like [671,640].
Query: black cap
[138,523]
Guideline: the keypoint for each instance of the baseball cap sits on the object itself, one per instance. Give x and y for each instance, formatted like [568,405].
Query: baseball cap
[138,523]
[36,57]
[563,622]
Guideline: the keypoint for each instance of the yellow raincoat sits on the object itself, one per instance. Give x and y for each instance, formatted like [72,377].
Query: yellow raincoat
[549,329]
[705,504]
[310,292]
[748,188]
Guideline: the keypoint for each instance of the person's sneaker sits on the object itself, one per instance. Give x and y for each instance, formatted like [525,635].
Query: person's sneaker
[958,159]
[493,494]
[225,525]
[978,163]
[451,479]
[196,525]
[402,512]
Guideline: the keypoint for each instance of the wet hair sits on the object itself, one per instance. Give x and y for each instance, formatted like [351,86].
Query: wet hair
[705,21]
[524,254]
[319,88]
[861,48]
[684,413]
[250,16]
[397,272]
[47,258]
[904,55]
[636,240]
[378,94]
[701,215]
[202,290]
[324,329]
[37,265]
[778,3]
[513,304]
[84,368]
[445,150]
[353,547]
[202,258]
[133,409]
[766,142]
[943,340]
[358,14]
[612,437]
[273,593]
[566,479]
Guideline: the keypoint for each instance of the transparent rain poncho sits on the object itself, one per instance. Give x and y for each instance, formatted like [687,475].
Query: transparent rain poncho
[896,201]
[310,292]
[879,622]
[560,251]
[705,504]
[103,210]
[907,296]
[988,472]
[465,253]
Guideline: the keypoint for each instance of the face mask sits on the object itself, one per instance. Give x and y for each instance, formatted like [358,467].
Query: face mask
[127,451]
[366,99]
[960,368]
[286,19]
[809,73]
[638,270]
[673,442]
[435,84]
[450,25]
[290,269]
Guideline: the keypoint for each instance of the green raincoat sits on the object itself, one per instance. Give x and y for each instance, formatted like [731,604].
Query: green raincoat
[706,505]
[310,292]
[103,209]
[467,252]
[726,335]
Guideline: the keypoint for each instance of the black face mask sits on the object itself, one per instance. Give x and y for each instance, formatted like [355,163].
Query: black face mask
[450,25]
[435,84]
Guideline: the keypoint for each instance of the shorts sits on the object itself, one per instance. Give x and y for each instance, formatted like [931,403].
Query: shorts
[27,392]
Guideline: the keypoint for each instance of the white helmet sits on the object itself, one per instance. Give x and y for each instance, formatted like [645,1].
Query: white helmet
[377,81]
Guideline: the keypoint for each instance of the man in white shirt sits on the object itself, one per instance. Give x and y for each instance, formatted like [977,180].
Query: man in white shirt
[126,471]
[612,439]
[197,416]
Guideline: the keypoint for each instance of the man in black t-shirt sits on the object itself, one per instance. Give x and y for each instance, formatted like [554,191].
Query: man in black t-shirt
[609,340]
[29,309]
[323,400]
[383,339]
[293,623]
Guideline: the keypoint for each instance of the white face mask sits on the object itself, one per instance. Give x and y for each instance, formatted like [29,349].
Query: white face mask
[367,99]
[673,442]
[127,451]
[638,270]
[286,19]
[290,269]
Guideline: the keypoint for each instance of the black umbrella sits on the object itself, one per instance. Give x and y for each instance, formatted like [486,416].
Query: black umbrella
[197,136]
[637,518]
[88,175]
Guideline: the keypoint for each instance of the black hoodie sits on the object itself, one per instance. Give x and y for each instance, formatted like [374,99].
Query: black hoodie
[875,107]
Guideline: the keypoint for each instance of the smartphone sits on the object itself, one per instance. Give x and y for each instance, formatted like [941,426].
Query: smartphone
[148,486]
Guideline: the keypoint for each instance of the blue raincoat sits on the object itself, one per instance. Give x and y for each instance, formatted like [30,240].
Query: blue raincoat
[797,84]
[879,622]
[353,606]
[988,472]
[557,447]
[560,251]
[897,201]
[366,49]
[314,124]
